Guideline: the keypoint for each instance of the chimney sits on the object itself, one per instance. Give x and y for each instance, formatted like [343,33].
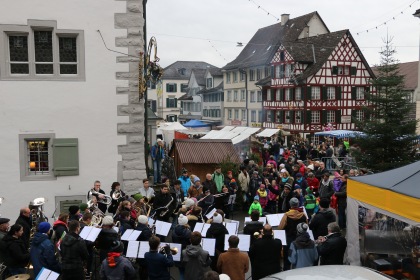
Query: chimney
[284,18]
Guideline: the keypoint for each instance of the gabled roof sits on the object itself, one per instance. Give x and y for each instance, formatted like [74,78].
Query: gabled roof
[211,90]
[264,44]
[175,70]
[199,76]
[410,72]
[215,72]
[204,151]
[185,97]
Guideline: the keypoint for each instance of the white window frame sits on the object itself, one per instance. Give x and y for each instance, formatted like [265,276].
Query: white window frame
[298,93]
[235,96]
[227,77]
[253,116]
[278,94]
[25,173]
[360,115]
[251,74]
[229,114]
[7,30]
[236,114]
[269,98]
[316,117]
[243,114]
[278,116]
[360,93]
[330,116]
[288,94]
[316,93]
[209,82]
[287,116]
[269,116]
[243,95]
[252,95]
[331,93]
[229,96]
[235,76]
[259,74]
[298,116]
[259,96]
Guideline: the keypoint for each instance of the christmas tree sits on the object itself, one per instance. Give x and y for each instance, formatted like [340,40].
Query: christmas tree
[389,133]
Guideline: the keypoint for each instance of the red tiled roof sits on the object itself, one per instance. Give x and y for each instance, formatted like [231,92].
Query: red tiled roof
[205,151]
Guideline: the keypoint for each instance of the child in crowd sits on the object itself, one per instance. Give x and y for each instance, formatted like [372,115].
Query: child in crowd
[272,198]
[262,193]
[255,206]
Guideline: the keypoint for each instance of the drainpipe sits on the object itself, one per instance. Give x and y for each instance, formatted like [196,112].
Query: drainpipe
[246,95]
[146,126]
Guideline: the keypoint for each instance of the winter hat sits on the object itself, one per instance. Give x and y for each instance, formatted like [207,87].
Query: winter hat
[73,209]
[229,172]
[262,186]
[282,166]
[182,220]
[224,277]
[294,202]
[142,219]
[233,181]
[117,246]
[83,207]
[283,170]
[44,227]
[205,189]
[337,175]
[137,196]
[298,174]
[189,202]
[311,167]
[256,197]
[302,228]
[255,172]
[132,200]
[309,191]
[297,186]
[217,218]
[287,185]
[196,179]
[107,221]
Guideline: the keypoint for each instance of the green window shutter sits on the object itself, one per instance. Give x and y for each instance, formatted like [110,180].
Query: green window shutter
[323,117]
[176,102]
[338,116]
[338,93]
[176,118]
[167,102]
[353,71]
[324,93]
[308,93]
[167,87]
[292,116]
[353,93]
[65,156]
[272,72]
[281,119]
[308,117]
[353,115]
[282,94]
[335,70]
[175,85]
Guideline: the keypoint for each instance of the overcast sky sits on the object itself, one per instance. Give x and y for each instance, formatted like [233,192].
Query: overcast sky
[183,28]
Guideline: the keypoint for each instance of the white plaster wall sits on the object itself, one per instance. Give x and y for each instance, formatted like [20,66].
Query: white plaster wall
[84,110]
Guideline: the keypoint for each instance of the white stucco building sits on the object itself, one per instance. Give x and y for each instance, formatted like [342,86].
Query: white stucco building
[70,108]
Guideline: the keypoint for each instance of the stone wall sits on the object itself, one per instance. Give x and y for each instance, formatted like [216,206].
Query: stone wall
[133,164]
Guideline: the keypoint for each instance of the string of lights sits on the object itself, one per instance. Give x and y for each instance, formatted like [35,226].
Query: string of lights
[388,20]
[217,51]
[262,8]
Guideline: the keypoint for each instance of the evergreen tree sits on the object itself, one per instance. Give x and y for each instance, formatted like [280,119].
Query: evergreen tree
[389,133]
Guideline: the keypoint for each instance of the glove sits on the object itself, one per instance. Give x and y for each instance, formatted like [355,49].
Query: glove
[167,249]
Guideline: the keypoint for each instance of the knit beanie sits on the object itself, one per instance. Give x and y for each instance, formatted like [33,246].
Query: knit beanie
[196,179]
[217,218]
[294,202]
[107,221]
[182,220]
[73,209]
[142,219]
[224,277]
[44,227]
[83,207]
[189,202]
[137,196]
[302,228]
[256,198]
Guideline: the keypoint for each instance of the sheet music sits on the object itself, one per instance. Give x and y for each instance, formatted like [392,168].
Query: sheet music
[205,229]
[151,221]
[209,244]
[244,242]
[209,215]
[232,228]
[280,234]
[162,228]
[126,234]
[177,257]
[311,234]
[198,227]
[274,219]
[53,276]
[93,234]
[132,249]
[46,274]
[85,232]
[130,235]
[143,249]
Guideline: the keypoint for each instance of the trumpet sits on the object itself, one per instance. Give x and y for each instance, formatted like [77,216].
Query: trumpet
[106,200]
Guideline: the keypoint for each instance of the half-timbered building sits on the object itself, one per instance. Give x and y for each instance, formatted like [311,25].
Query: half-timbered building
[317,82]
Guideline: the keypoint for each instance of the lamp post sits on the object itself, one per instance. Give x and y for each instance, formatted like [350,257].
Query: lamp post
[416,96]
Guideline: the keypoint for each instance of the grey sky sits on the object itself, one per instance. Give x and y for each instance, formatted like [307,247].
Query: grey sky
[183,28]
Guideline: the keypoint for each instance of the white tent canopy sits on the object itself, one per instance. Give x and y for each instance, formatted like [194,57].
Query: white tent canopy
[267,132]
[236,134]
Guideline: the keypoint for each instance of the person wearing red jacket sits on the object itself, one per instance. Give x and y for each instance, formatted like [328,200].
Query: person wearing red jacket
[313,183]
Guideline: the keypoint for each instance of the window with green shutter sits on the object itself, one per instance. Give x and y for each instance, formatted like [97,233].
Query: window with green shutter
[335,70]
[65,156]
[353,93]
[338,116]
[353,71]
[324,93]
[308,93]
[338,93]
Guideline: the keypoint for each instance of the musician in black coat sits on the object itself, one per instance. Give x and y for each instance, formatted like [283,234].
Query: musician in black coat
[99,197]
[115,187]
[205,201]
[163,202]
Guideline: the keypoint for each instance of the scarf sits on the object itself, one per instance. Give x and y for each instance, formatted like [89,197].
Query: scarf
[111,260]
[284,180]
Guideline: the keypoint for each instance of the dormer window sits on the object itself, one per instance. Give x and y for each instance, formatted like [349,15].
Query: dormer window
[209,82]
[182,71]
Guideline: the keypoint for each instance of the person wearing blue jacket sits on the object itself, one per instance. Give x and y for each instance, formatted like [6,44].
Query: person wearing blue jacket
[158,264]
[185,181]
[158,155]
[42,250]
[302,252]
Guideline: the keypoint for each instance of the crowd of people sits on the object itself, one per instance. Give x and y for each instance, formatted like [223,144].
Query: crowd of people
[311,196]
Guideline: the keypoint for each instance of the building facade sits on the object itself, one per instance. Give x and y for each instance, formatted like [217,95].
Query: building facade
[71,112]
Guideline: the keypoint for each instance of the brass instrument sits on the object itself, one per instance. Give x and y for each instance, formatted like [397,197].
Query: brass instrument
[174,250]
[37,214]
[106,200]
[97,214]
[163,213]
[116,195]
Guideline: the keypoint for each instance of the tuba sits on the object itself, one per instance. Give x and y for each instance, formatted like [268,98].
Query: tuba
[97,214]
[106,200]
[116,195]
